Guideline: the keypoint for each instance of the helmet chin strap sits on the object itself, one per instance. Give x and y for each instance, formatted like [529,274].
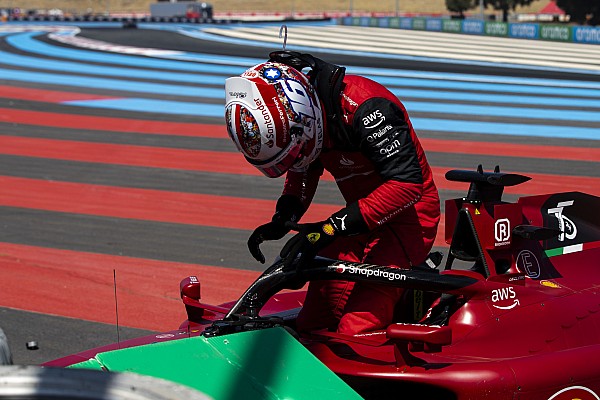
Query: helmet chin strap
[299,160]
[297,134]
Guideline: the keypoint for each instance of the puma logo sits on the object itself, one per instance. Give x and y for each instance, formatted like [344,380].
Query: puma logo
[343,222]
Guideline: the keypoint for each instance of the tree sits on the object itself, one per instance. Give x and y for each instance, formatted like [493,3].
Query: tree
[582,12]
[506,5]
[459,6]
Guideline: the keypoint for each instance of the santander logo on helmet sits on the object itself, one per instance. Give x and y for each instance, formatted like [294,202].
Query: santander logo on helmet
[274,118]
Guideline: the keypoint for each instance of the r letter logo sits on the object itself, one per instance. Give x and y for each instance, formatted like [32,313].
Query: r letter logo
[502,232]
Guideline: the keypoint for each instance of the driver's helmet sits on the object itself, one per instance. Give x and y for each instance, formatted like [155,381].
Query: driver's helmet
[274,117]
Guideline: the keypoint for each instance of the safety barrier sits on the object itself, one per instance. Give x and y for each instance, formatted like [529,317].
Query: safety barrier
[535,31]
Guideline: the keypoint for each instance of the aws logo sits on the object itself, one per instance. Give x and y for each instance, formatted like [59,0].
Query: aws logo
[504,296]
[575,393]
[373,120]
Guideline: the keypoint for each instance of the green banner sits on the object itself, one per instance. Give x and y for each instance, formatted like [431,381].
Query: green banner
[496,28]
[556,32]
[452,25]
[395,22]
[419,24]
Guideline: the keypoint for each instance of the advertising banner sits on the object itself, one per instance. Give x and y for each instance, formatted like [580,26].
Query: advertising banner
[473,27]
[496,29]
[551,32]
[556,32]
[452,25]
[523,31]
[584,34]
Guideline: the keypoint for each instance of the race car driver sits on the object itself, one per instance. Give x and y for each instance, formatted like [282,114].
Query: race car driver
[299,115]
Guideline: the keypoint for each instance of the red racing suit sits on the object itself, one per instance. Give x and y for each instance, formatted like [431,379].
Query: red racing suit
[393,207]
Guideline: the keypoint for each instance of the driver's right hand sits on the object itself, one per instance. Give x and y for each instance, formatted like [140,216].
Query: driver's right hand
[273,230]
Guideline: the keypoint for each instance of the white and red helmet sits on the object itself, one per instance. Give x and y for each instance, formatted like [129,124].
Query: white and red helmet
[274,117]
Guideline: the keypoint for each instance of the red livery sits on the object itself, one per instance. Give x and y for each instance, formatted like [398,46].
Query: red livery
[512,313]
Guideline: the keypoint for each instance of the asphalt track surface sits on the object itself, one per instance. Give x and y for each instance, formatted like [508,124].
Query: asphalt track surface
[90,193]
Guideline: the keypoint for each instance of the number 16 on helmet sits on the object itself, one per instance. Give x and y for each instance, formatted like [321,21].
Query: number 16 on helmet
[275,118]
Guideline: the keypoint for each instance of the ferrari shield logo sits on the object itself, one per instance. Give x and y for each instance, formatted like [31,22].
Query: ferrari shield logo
[313,237]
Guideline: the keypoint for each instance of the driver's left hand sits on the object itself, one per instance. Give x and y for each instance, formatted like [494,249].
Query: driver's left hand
[310,239]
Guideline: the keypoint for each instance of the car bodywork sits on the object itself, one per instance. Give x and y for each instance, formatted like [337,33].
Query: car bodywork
[512,314]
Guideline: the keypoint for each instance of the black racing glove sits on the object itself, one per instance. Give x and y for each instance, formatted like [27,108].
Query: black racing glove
[289,208]
[310,239]
[314,237]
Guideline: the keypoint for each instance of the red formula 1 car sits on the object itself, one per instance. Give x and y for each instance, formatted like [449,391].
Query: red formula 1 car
[513,313]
